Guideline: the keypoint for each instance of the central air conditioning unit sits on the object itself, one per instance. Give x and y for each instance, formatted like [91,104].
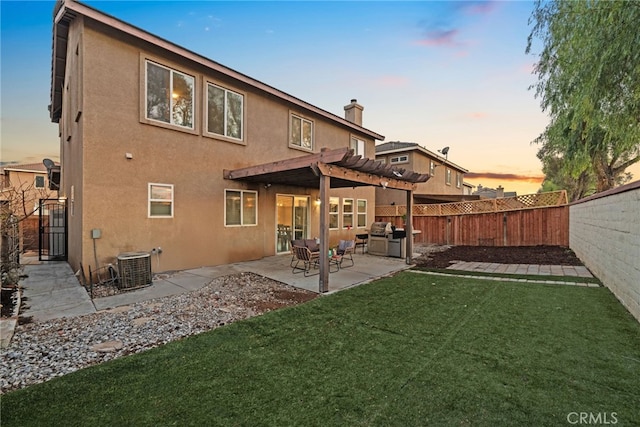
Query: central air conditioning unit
[134,269]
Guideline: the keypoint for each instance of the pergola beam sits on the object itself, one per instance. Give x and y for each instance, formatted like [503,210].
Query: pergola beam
[363,177]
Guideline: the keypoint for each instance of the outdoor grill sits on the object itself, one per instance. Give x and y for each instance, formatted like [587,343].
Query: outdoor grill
[384,240]
[378,238]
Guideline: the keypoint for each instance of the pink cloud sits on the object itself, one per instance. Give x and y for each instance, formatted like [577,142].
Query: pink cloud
[439,38]
[478,115]
[392,81]
[480,7]
[527,68]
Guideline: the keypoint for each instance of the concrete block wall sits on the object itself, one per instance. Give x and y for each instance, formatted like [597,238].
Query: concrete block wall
[604,232]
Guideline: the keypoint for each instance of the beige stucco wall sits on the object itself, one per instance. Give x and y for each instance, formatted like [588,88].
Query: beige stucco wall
[604,232]
[111,191]
[419,162]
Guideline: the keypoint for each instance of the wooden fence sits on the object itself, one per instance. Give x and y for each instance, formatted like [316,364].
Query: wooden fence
[536,219]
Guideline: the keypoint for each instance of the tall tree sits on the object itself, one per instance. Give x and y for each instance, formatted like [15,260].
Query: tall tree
[589,84]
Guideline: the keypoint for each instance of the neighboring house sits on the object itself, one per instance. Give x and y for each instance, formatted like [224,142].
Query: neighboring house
[445,185]
[493,193]
[467,188]
[164,149]
[21,188]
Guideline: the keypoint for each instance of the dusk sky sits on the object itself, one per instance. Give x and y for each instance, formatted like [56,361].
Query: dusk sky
[435,73]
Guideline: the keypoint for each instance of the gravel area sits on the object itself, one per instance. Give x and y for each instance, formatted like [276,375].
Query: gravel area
[41,351]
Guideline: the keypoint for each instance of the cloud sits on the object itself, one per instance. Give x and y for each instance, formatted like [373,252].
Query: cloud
[478,115]
[504,176]
[392,81]
[445,27]
[440,38]
[478,7]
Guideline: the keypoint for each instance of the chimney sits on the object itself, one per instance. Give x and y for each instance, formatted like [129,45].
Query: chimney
[499,192]
[353,112]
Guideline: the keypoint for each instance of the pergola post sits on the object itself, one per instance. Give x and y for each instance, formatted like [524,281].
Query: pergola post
[325,183]
[408,227]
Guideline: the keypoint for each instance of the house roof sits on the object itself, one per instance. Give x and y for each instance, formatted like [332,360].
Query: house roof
[67,10]
[393,147]
[27,167]
[343,167]
[443,198]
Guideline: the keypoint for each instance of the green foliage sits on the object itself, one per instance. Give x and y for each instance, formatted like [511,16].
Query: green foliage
[589,83]
[410,350]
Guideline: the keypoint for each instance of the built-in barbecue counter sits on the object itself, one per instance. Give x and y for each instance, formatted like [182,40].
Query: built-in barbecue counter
[386,240]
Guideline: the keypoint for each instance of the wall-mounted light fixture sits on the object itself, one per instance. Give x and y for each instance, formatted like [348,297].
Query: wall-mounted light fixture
[384,184]
[318,201]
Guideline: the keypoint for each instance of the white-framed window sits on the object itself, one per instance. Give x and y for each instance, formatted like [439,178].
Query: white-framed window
[39,181]
[300,132]
[399,159]
[362,213]
[432,168]
[447,177]
[357,145]
[169,95]
[241,207]
[225,112]
[160,200]
[458,179]
[347,213]
[334,213]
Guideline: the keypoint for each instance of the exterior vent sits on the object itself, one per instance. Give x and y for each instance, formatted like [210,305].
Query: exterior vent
[134,269]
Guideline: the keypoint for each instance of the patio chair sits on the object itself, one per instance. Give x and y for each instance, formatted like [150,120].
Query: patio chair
[346,248]
[308,259]
[308,243]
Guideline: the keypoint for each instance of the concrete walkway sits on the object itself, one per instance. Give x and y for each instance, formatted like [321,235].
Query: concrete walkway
[522,269]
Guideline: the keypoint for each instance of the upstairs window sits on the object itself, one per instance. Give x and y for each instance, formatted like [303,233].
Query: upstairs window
[225,112]
[399,159]
[432,168]
[169,96]
[458,179]
[448,177]
[301,133]
[357,145]
[160,201]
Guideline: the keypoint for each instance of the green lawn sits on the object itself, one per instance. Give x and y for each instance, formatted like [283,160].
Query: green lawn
[410,350]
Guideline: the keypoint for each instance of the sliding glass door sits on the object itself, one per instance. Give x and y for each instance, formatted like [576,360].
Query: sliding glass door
[292,219]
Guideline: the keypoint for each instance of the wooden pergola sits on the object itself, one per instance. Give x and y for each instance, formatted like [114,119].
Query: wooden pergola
[338,168]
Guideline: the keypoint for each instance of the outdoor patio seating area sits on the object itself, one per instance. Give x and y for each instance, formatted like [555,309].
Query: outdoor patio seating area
[352,270]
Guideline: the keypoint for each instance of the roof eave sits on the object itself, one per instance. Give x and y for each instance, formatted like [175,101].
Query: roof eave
[424,151]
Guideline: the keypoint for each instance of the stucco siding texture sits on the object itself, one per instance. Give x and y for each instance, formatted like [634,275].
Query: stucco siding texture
[114,188]
[605,234]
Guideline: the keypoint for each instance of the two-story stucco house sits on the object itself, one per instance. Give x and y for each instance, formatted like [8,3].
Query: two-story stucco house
[446,183]
[162,148]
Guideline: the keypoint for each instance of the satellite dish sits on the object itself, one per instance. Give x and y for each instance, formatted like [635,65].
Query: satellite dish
[48,163]
[396,173]
[444,151]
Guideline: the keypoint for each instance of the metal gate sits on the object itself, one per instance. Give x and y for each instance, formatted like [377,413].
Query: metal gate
[52,243]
